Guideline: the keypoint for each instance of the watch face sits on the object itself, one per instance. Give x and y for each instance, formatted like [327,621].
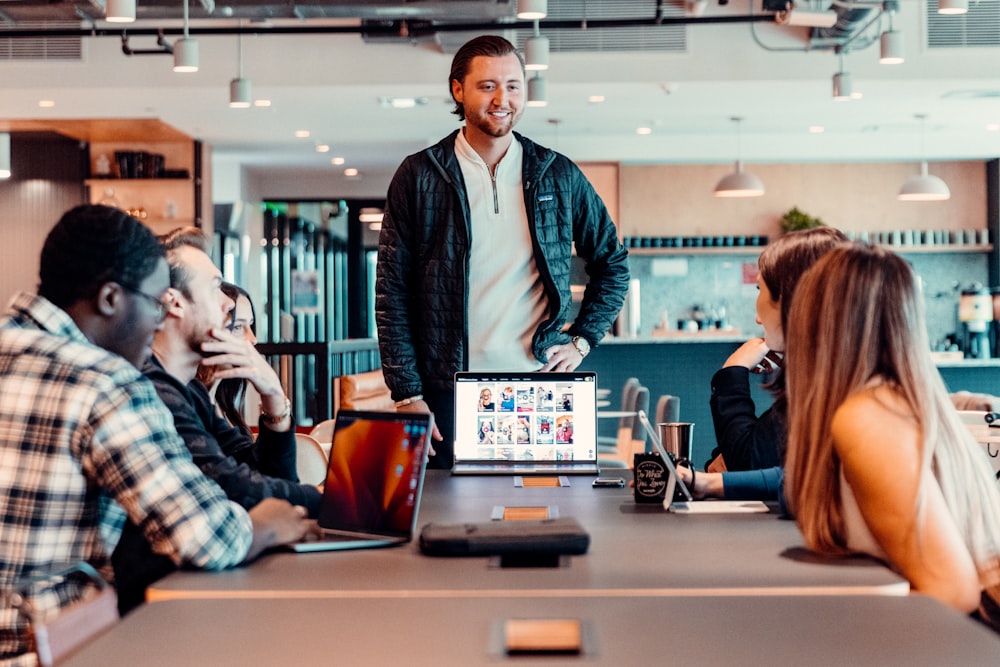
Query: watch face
[581,344]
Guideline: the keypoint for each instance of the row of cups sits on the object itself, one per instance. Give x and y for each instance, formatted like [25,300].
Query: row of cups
[694,241]
[895,237]
[917,237]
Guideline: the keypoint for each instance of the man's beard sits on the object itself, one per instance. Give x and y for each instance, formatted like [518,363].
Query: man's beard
[486,124]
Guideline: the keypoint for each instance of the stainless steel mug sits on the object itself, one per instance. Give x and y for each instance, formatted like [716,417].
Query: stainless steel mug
[677,438]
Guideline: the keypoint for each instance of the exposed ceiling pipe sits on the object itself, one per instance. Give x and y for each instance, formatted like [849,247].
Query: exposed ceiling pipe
[387,28]
[166,48]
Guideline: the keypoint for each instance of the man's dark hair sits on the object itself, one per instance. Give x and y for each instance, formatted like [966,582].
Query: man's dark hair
[92,245]
[192,237]
[489,46]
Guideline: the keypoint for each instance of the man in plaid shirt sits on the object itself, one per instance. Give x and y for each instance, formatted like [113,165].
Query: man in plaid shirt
[84,439]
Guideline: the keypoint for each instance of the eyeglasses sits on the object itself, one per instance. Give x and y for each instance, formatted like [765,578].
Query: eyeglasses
[158,303]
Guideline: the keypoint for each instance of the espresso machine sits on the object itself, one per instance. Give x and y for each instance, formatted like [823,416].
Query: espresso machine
[975,312]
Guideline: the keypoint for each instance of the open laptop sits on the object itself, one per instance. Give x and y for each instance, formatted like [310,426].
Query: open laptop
[525,423]
[373,480]
[674,482]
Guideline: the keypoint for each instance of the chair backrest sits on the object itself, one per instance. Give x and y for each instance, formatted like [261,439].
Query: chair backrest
[668,409]
[365,391]
[323,431]
[310,459]
[631,435]
[628,398]
[637,439]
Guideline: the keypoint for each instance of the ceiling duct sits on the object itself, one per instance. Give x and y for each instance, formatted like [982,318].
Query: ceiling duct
[851,16]
[849,19]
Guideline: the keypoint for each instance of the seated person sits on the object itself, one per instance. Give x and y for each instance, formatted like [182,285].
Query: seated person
[194,333]
[84,438]
[879,461]
[229,396]
[748,442]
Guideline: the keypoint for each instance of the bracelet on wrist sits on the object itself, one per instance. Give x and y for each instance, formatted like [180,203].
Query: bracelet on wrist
[411,399]
[277,419]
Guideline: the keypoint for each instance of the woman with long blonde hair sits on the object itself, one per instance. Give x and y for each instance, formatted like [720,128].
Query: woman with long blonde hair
[878,460]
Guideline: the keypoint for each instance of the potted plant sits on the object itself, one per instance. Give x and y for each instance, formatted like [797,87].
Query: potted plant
[794,220]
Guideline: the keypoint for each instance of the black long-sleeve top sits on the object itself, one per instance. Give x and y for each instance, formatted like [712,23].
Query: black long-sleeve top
[746,441]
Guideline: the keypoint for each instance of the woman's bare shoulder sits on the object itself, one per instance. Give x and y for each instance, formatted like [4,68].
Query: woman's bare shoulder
[875,416]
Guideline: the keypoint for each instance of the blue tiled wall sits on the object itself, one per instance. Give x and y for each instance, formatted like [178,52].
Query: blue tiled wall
[714,281]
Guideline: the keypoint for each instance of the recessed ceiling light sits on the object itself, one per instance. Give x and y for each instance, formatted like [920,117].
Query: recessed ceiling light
[817,129]
[856,95]
[993,127]
[596,99]
[643,130]
[302,134]
[350,171]
[262,103]
[322,148]
[46,104]
[337,160]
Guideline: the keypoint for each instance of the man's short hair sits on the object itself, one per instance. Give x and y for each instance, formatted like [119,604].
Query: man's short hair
[92,245]
[191,237]
[490,46]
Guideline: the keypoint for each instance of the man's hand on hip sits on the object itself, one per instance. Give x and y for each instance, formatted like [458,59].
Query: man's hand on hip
[562,358]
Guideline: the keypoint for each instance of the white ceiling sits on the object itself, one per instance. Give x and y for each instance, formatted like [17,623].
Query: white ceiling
[330,85]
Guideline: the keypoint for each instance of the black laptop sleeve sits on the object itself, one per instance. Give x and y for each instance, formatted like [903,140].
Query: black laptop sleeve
[490,538]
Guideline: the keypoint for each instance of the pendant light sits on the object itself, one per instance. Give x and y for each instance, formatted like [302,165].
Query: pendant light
[739,183]
[120,11]
[532,9]
[891,42]
[923,186]
[536,51]
[953,6]
[186,49]
[239,88]
[537,91]
[5,170]
[842,88]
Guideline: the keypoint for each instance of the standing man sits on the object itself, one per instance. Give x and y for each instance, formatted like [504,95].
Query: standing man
[84,439]
[476,248]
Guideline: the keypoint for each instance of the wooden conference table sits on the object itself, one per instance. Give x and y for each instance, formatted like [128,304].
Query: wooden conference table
[635,550]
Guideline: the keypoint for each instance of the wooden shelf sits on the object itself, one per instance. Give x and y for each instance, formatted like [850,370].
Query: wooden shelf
[702,250]
[943,248]
[97,181]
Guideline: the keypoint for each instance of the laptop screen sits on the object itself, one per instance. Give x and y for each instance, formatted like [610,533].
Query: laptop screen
[525,417]
[375,474]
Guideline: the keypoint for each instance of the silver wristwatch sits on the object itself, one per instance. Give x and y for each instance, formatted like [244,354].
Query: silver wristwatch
[582,345]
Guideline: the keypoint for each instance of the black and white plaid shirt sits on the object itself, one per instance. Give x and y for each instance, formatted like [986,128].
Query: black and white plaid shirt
[84,440]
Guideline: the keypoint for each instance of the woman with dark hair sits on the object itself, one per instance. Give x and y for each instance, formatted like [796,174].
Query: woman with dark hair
[230,394]
[879,461]
[751,449]
[745,441]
